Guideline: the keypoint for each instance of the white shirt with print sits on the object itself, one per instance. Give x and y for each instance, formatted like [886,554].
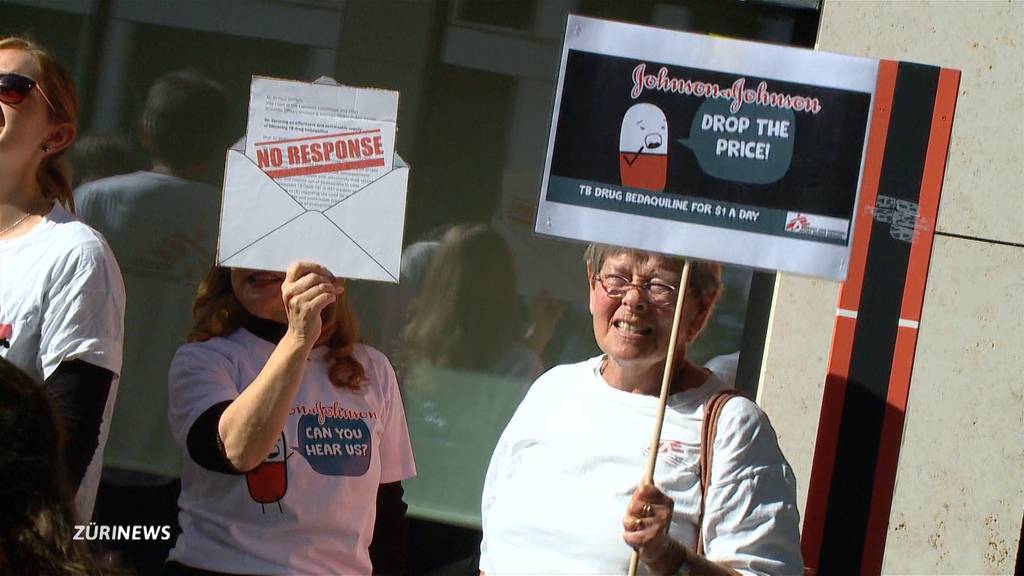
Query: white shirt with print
[310,507]
[61,299]
[568,462]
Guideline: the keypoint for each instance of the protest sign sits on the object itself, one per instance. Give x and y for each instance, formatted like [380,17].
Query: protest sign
[316,179]
[719,149]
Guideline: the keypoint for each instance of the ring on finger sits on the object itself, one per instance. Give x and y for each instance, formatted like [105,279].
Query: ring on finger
[638,523]
[647,510]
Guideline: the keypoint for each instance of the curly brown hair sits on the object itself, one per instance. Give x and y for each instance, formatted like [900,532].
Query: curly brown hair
[217,312]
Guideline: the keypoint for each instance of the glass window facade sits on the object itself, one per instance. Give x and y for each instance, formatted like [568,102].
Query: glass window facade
[484,304]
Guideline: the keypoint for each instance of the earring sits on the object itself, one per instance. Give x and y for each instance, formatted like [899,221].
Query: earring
[45,147]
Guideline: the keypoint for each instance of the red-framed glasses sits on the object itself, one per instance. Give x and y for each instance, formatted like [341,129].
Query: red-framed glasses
[14,88]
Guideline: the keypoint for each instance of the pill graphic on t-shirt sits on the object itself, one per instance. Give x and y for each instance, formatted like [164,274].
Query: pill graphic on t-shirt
[268,482]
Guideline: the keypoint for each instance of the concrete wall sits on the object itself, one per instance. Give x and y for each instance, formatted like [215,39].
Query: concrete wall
[959,497]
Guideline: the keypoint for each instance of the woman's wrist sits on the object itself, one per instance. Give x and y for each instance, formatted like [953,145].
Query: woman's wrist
[666,556]
[296,340]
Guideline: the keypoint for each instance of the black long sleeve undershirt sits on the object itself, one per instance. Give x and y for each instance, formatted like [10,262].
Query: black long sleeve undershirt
[79,391]
[203,440]
[204,444]
[389,548]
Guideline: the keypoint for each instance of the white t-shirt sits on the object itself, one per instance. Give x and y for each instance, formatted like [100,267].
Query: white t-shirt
[62,298]
[163,230]
[725,367]
[310,507]
[569,460]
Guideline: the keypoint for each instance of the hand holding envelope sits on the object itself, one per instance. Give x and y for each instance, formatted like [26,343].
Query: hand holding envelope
[311,182]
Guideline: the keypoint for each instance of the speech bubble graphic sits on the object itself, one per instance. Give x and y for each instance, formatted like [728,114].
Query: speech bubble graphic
[754,145]
[338,447]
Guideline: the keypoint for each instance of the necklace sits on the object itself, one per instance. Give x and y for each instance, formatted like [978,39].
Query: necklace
[13,225]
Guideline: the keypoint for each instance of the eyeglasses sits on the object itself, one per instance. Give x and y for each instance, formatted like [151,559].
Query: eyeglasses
[14,88]
[615,286]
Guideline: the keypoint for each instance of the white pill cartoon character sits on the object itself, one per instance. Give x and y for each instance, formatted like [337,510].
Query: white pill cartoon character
[643,148]
[268,482]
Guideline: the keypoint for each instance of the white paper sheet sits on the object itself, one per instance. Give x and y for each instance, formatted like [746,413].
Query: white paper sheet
[317,179]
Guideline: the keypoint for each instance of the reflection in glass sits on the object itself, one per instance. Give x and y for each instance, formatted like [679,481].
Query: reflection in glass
[466,363]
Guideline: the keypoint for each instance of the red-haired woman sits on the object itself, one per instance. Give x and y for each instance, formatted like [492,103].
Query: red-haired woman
[294,434]
[61,294]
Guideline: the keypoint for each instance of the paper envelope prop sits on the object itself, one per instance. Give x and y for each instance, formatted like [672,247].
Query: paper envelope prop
[354,234]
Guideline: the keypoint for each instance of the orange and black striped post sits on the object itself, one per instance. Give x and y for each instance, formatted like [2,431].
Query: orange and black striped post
[864,405]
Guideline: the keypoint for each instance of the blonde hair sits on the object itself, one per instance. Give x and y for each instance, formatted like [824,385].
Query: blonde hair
[217,312]
[705,277]
[54,79]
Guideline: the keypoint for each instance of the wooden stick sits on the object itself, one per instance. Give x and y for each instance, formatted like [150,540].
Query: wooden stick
[666,384]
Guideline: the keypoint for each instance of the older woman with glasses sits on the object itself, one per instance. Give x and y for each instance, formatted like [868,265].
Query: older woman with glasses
[562,491]
[61,294]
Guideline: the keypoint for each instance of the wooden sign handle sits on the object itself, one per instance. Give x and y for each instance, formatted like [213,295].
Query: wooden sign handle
[666,385]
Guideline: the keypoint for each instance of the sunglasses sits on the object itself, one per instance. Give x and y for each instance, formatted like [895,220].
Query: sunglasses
[14,88]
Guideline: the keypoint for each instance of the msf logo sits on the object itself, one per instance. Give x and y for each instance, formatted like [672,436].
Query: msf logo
[798,223]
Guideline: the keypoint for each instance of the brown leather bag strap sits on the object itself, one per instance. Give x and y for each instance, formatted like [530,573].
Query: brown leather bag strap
[709,427]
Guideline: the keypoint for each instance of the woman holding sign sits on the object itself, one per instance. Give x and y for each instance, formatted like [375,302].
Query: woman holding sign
[561,493]
[294,434]
[61,294]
